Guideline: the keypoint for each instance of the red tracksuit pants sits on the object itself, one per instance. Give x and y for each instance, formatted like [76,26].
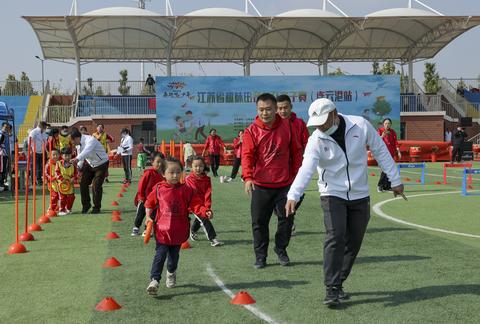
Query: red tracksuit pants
[66,202]
[54,197]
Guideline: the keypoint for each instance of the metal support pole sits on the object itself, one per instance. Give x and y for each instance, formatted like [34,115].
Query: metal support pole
[246,69]
[410,76]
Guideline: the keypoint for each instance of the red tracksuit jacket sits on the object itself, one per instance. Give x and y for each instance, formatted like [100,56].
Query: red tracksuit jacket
[237,147]
[272,156]
[173,203]
[300,128]
[149,179]
[202,186]
[51,175]
[213,144]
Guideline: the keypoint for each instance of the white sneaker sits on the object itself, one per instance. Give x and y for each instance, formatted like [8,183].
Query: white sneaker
[152,287]
[135,231]
[68,211]
[379,189]
[229,179]
[62,213]
[222,179]
[171,281]
[193,236]
[215,242]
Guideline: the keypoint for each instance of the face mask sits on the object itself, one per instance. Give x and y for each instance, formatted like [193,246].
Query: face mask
[331,130]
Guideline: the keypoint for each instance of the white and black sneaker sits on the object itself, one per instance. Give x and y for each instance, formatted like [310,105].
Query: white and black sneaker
[171,280]
[152,287]
[135,231]
[215,242]
[331,296]
[193,236]
[379,189]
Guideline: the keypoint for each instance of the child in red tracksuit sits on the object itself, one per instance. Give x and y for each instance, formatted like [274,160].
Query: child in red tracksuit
[199,181]
[149,179]
[66,175]
[172,200]
[51,177]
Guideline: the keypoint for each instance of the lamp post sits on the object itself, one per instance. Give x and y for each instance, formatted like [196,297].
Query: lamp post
[43,76]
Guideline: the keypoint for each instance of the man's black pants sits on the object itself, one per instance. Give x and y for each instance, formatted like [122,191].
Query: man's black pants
[345,224]
[207,227]
[127,166]
[162,252]
[383,182]
[457,152]
[236,166]
[214,163]
[95,177]
[264,202]
[140,215]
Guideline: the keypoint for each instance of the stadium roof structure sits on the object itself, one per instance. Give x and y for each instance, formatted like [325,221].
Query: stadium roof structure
[229,35]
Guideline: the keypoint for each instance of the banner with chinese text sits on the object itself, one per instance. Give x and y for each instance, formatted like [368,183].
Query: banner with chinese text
[188,107]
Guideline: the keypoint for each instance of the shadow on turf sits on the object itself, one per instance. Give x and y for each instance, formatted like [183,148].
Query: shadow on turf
[370,259]
[201,289]
[397,298]
[387,229]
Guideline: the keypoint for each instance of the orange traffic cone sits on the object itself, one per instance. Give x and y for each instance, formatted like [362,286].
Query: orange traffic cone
[116,218]
[119,195]
[107,304]
[111,263]
[112,236]
[185,245]
[242,298]
[372,174]
[114,203]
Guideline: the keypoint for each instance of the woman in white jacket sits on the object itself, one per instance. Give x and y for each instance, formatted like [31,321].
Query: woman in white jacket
[126,150]
[337,150]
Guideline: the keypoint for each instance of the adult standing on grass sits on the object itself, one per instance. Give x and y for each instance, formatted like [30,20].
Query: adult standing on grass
[271,156]
[213,144]
[389,137]
[337,149]
[284,104]
[237,149]
[37,138]
[94,164]
[126,150]
[457,141]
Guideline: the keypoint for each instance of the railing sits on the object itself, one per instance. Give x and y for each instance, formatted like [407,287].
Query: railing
[468,83]
[21,88]
[475,139]
[114,88]
[420,103]
[116,106]
[60,114]
[466,108]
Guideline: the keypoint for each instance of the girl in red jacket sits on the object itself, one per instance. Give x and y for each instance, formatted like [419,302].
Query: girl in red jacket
[173,201]
[201,183]
[149,179]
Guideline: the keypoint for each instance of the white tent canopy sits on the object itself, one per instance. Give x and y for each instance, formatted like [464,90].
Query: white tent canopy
[228,35]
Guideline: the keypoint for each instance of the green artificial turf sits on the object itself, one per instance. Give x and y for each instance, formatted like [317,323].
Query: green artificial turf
[402,274]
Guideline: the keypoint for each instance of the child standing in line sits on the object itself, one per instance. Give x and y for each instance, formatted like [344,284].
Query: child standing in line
[172,200]
[51,177]
[149,179]
[202,184]
[66,176]
[142,154]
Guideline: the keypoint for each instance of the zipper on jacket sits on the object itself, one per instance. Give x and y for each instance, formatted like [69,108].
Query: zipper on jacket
[346,158]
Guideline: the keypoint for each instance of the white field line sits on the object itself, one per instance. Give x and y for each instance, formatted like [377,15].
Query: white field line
[254,310]
[377,209]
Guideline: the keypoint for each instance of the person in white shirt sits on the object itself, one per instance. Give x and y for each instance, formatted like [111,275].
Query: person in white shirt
[37,138]
[94,169]
[126,150]
[448,135]
[337,150]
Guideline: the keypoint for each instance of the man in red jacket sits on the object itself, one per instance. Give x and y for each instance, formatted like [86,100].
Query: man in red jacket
[213,144]
[271,157]
[284,109]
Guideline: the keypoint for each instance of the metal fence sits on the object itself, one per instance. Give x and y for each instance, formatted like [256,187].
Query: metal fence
[21,88]
[60,114]
[116,106]
[115,88]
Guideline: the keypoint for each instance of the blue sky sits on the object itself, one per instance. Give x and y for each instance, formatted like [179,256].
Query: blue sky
[19,43]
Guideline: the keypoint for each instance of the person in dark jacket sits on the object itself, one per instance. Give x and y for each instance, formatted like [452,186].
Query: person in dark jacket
[271,157]
[458,139]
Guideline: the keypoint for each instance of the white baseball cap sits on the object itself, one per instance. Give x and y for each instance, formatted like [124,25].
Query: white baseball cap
[319,110]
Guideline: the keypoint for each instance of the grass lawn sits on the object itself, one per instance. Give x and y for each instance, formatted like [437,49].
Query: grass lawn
[402,275]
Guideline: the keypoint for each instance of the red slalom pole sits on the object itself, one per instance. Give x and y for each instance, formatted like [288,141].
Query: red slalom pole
[34,227]
[26,236]
[51,213]
[16,247]
[43,176]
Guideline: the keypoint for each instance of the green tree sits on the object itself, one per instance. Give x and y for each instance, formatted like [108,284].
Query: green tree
[26,87]
[12,86]
[338,71]
[388,68]
[99,91]
[123,89]
[431,82]
[375,67]
[381,107]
